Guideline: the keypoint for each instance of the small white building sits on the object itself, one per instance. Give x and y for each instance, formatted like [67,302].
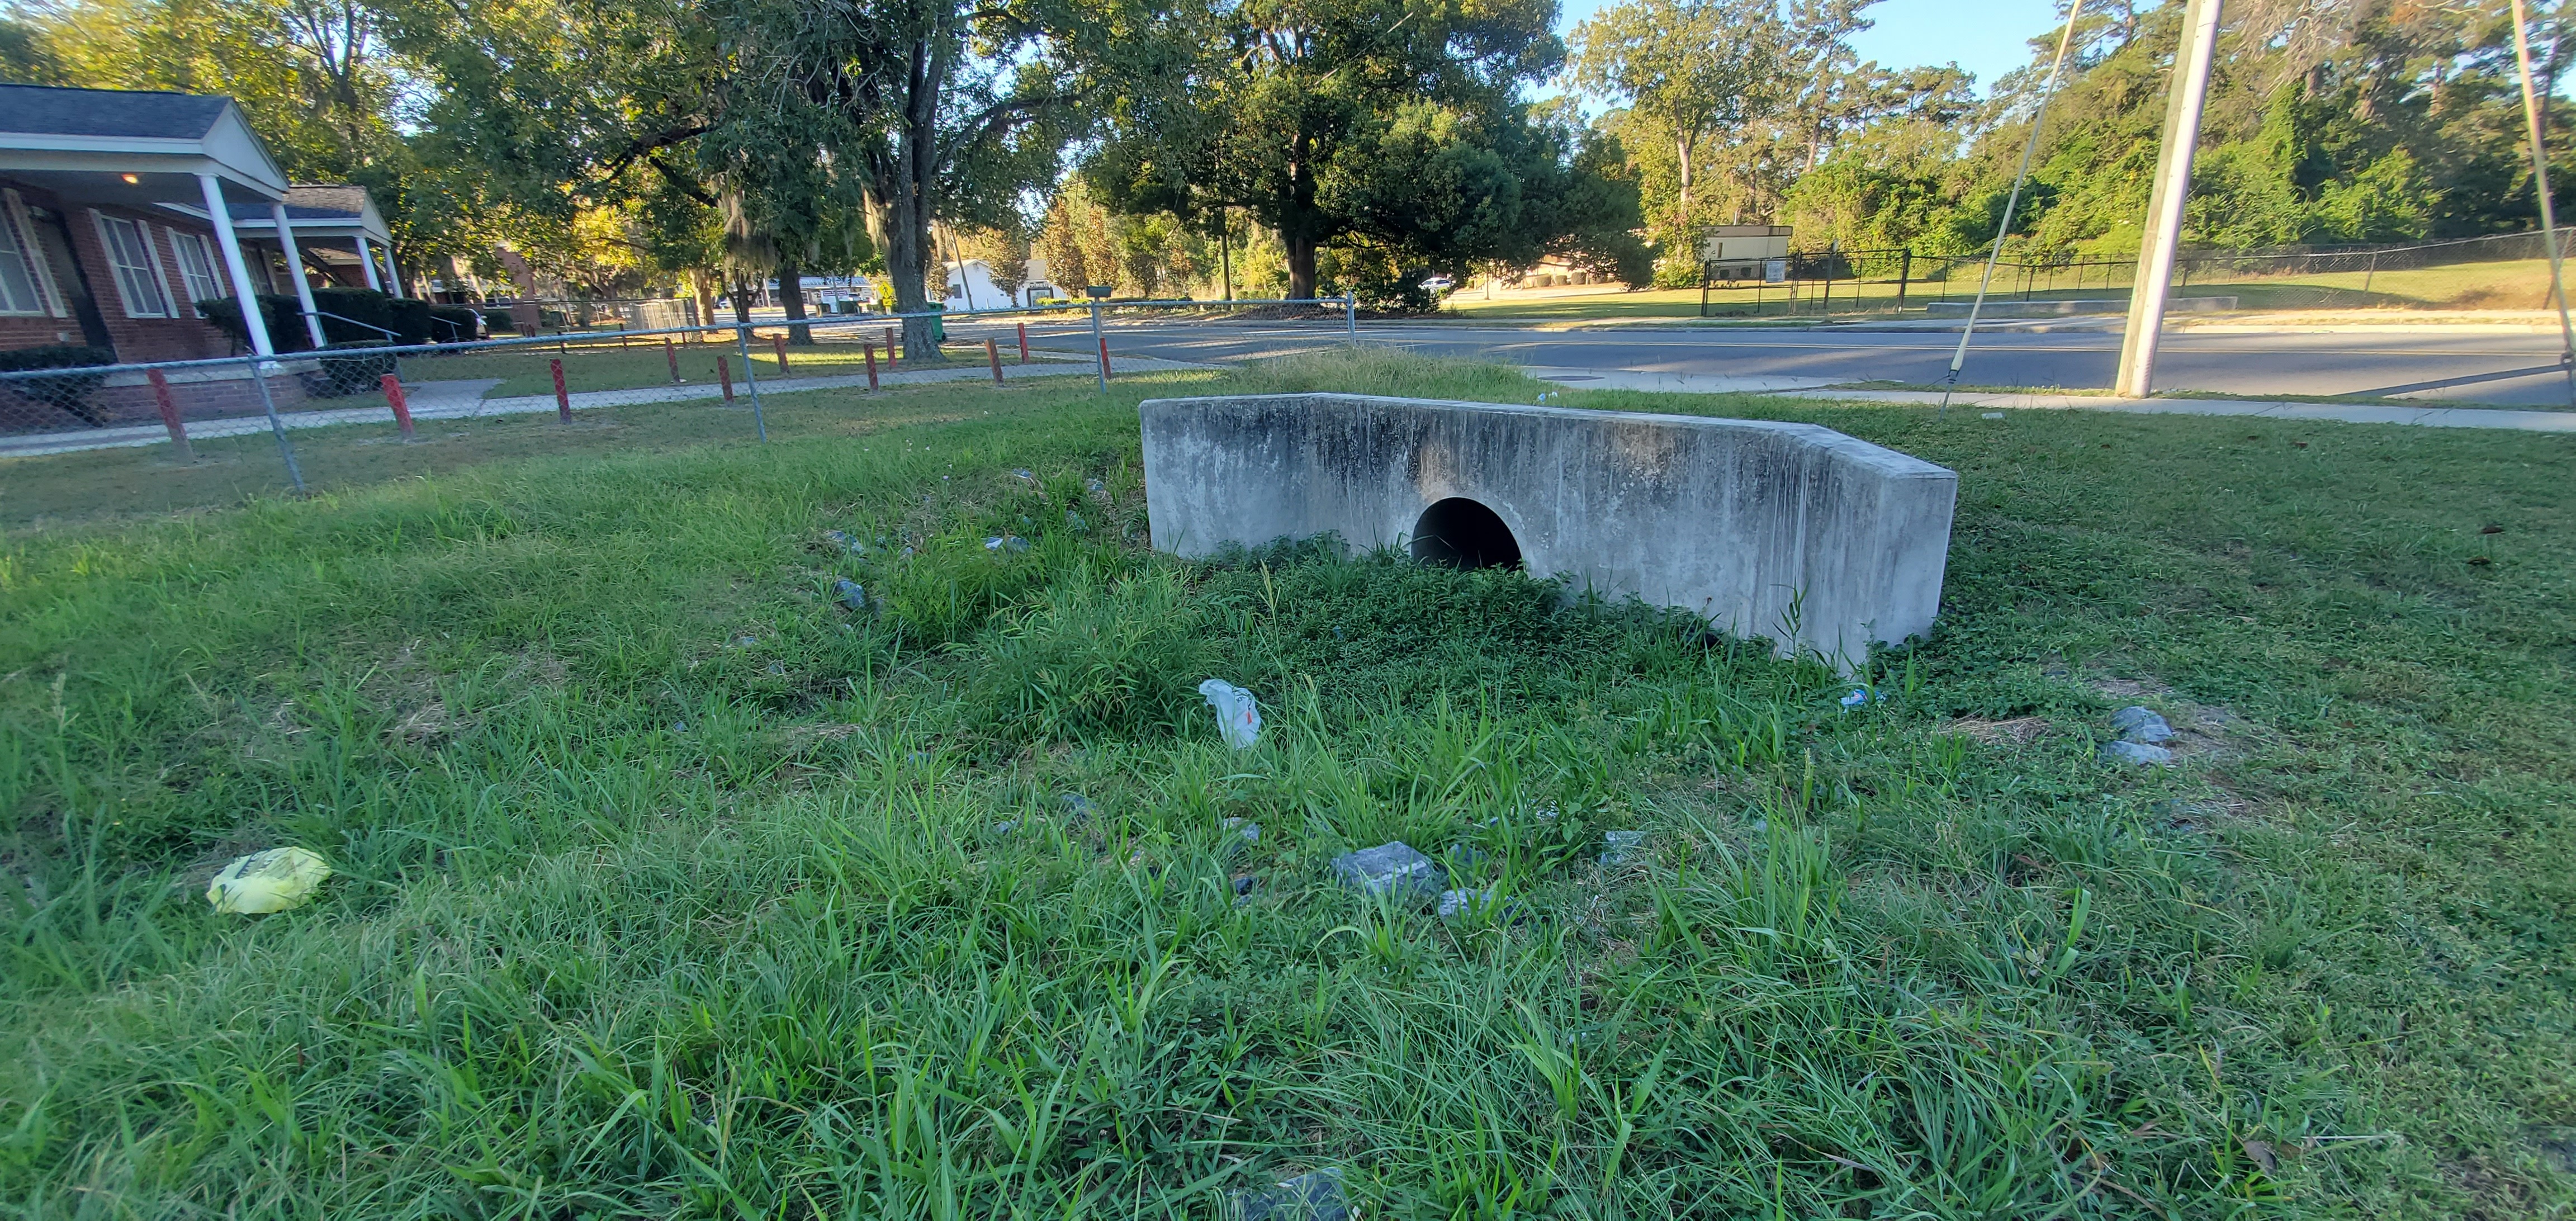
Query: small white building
[971,287]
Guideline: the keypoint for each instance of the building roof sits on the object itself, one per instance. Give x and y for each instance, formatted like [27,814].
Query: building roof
[133,147]
[118,113]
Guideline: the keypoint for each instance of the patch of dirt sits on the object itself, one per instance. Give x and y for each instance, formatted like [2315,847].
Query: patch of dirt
[2204,731]
[427,725]
[2017,730]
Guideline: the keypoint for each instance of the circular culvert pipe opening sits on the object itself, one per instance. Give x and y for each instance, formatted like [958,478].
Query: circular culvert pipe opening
[1460,533]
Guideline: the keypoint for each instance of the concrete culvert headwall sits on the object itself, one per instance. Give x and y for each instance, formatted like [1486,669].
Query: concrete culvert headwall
[1790,532]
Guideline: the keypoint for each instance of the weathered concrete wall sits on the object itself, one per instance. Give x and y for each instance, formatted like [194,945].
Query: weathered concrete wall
[1792,532]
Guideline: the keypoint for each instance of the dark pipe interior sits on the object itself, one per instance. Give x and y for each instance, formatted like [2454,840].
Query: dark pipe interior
[1460,533]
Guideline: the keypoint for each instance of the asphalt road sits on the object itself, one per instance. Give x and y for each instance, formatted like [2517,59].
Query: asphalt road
[2438,365]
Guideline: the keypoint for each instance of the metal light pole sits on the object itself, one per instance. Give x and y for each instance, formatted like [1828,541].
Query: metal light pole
[2011,203]
[2164,206]
[2540,181]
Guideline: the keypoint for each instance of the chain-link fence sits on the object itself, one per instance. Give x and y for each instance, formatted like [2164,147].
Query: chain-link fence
[1810,283]
[174,434]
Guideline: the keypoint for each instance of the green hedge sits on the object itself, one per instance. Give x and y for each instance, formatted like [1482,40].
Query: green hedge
[454,323]
[69,391]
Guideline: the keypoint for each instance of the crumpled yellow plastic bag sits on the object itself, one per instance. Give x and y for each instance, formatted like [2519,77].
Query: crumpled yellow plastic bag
[270,881]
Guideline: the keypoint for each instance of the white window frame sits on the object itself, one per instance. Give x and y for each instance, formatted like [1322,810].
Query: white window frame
[55,302]
[125,273]
[180,241]
[19,234]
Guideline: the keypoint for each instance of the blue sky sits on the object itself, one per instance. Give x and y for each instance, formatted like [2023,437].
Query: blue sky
[1986,37]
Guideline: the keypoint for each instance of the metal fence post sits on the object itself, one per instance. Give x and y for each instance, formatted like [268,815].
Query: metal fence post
[1102,342]
[751,382]
[268,402]
[1351,314]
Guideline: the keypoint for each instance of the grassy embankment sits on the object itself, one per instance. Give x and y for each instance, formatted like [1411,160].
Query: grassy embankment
[667,886]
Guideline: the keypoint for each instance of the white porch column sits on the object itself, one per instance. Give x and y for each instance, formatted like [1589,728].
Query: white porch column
[393,274]
[252,322]
[295,272]
[367,260]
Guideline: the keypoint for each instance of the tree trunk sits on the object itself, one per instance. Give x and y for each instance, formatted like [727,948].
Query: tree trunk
[1301,266]
[791,294]
[741,304]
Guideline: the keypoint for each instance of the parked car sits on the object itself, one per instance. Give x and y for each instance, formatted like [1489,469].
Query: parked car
[1439,284]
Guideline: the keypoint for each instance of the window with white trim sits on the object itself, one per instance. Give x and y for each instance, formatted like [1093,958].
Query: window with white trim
[197,268]
[18,292]
[129,254]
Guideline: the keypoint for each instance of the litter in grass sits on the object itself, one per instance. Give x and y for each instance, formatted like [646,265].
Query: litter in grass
[1619,847]
[270,881]
[1991,415]
[1862,695]
[1238,715]
[1389,869]
[1308,1197]
[2139,723]
[1006,542]
[2139,753]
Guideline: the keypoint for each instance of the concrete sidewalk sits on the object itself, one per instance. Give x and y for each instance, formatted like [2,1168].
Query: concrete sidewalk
[464,400]
[1820,389]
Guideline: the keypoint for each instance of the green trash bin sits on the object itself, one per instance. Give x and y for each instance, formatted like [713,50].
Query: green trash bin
[938,323]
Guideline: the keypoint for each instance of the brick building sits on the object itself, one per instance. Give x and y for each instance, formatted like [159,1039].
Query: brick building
[120,210]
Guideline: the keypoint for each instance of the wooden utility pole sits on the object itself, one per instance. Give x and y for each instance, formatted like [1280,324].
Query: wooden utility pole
[2164,206]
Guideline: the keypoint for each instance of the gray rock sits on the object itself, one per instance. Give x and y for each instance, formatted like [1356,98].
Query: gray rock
[845,542]
[1073,521]
[2141,724]
[1077,808]
[1308,1197]
[1619,847]
[1005,828]
[1456,904]
[2139,753]
[1465,858]
[1248,829]
[850,593]
[1006,542]
[1389,869]
[1244,886]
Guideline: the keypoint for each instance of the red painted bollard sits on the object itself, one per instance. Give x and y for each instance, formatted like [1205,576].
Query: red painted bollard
[401,406]
[170,415]
[780,342]
[890,353]
[671,354]
[724,373]
[563,401]
[1104,358]
[1024,343]
[872,364]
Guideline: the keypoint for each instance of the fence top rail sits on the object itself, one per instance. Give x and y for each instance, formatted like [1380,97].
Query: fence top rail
[601,339]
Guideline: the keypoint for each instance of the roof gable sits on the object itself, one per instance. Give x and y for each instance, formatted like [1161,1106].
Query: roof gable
[114,113]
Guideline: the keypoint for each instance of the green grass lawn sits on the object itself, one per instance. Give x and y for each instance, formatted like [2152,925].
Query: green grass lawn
[667,886]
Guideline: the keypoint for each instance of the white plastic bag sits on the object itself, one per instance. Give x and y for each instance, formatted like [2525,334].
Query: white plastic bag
[270,881]
[1238,716]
